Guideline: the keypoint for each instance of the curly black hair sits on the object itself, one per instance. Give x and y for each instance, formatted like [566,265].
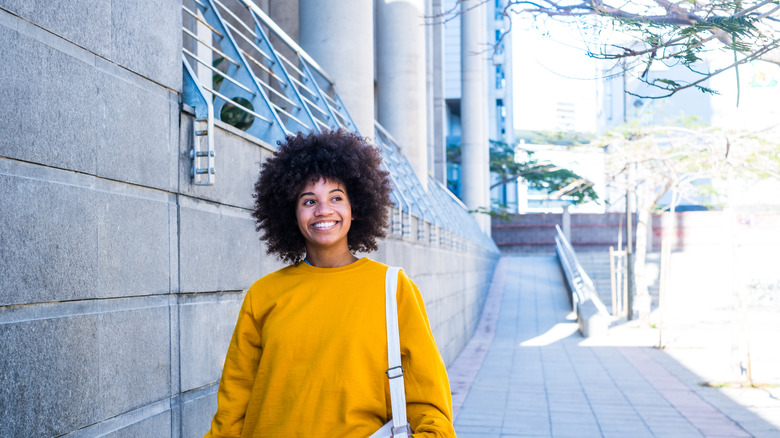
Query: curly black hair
[333,155]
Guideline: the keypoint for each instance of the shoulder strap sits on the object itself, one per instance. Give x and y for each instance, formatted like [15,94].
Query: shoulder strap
[395,372]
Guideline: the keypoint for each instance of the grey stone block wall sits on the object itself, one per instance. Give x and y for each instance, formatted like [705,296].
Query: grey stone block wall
[144,37]
[120,281]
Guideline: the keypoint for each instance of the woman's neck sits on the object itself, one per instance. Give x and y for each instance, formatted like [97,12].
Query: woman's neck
[329,259]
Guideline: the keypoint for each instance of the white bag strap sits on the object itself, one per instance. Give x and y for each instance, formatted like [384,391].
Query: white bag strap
[394,371]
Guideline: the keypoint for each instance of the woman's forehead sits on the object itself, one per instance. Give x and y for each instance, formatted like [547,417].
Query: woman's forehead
[317,179]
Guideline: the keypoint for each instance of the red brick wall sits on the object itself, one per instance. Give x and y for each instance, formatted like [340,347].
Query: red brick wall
[695,229]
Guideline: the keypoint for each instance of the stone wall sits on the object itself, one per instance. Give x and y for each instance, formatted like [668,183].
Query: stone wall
[120,281]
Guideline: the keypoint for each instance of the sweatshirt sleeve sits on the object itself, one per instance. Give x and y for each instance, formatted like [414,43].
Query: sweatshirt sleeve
[428,396]
[238,374]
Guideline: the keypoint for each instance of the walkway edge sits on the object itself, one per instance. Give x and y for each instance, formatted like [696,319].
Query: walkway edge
[464,369]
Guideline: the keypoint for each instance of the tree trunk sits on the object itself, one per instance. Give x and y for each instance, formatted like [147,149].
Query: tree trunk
[640,269]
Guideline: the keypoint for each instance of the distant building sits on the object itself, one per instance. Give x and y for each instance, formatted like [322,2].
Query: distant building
[497,55]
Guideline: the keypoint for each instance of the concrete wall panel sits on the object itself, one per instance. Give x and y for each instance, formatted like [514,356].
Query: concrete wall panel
[196,413]
[146,38]
[199,240]
[219,247]
[153,427]
[48,376]
[206,327]
[134,350]
[134,130]
[72,236]
[133,245]
[48,241]
[43,127]
[82,113]
[143,37]
[85,23]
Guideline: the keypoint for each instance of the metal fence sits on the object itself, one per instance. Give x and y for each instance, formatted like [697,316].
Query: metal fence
[241,68]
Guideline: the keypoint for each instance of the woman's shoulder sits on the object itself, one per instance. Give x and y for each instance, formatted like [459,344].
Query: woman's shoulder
[273,278]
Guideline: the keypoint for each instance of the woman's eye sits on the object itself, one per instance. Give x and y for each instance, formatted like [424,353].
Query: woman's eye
[308,202]
[337,198]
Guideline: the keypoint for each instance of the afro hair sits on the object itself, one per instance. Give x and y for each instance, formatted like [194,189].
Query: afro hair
[339,156]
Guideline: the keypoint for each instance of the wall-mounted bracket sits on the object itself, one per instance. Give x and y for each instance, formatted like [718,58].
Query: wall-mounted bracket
[202,153]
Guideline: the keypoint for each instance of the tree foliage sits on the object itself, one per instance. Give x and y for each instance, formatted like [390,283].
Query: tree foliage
[664,157]
[636,34]
[649,161]
[540,175]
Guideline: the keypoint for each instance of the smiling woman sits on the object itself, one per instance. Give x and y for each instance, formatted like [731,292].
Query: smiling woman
[309,354]
[339,157]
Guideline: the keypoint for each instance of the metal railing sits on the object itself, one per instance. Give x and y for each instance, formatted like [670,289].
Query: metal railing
[241,68]
[580,284]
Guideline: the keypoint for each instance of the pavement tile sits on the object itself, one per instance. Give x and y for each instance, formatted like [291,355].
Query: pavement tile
[537,378]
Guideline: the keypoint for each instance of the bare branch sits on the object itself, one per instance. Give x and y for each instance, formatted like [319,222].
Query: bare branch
[755,55]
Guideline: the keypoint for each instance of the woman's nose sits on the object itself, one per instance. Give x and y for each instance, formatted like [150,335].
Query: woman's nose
[322,208]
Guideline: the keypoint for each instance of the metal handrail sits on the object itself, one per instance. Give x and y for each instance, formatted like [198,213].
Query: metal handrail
[580,283]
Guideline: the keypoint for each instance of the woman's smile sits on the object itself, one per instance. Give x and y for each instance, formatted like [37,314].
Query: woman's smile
[324,225]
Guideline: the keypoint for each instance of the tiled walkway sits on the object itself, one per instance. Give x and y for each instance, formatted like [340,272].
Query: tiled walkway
[528,372]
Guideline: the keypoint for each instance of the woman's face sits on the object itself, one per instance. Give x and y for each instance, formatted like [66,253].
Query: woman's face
[324,215]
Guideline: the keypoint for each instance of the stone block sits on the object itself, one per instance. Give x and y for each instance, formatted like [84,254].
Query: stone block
[196,414]
[49,241]
[136,140]
[237,163]
[85,23]
[219,247]
[133,244]
[70,236]
[48,376]
[206,327]
[41,88]
[199,246]
[155,426]
[63,107]
[134,350]
[241,250]
[146,38]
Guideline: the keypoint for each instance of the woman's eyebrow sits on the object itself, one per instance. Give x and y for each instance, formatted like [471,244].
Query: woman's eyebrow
[312,193]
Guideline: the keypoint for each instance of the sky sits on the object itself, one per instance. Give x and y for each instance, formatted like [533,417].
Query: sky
[554,78]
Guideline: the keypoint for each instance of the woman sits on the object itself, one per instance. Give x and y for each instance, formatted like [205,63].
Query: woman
[309,352]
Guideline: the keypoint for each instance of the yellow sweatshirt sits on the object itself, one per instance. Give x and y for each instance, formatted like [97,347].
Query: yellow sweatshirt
[309,354]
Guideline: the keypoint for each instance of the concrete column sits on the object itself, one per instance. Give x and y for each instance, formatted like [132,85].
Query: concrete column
[401,78]
[339,35]
[437,123]
[494,133]
[509,122]
[473,110]
[566,222]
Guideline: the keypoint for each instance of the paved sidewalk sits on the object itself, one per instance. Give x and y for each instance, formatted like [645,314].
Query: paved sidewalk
[528,372]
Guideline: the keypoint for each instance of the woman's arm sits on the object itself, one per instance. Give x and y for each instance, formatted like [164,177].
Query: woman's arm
[238,374]
[428,396]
